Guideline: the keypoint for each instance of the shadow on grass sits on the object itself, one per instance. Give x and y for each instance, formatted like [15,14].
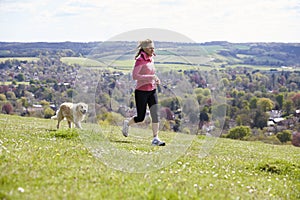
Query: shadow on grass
[64,133]
[51,130]
[280,167]
[122,141]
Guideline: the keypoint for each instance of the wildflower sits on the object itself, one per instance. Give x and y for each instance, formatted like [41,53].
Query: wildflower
[20,189]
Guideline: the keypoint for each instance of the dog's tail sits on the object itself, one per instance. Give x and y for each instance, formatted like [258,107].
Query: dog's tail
[55,116]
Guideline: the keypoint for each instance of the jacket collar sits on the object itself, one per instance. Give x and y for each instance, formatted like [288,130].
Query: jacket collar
[145,56]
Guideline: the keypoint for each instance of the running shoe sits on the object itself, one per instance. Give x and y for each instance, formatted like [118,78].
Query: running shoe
[157,142]
[125,128]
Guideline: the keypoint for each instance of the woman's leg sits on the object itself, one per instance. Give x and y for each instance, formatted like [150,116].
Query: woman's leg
[153,106]
[141,98]
[141,106]
[155,129]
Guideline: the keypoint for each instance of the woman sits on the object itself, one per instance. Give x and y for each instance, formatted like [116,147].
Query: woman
[145,90]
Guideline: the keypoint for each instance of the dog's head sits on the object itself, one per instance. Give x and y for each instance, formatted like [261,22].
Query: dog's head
[82,108]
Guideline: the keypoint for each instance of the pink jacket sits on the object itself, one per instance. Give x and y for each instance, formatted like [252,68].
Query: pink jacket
[144,73]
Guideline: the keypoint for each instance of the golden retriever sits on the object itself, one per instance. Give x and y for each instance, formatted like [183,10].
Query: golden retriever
[73,112]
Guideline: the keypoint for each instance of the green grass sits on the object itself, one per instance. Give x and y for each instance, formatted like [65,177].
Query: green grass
[39,162]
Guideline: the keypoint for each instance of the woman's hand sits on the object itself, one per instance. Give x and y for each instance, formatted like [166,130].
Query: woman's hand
[156,79]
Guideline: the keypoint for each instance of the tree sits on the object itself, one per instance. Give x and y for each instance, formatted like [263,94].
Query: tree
[71,93]
[293,86]
[225,82]
[296,139]
[20,77]
[200,97]
[283,89]
[234,93]
[2,97]
[265,104]
[10,95]
[44,103]
[24,102]
[239,132]
[219,111]
[7,108]
[206,92]
[243,119]
[48,112]
[260,119]
[288,107]
[253,102]
[296,100]
[284,136]
[279,99]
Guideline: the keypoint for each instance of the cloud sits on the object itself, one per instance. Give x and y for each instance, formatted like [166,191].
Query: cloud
[201,20]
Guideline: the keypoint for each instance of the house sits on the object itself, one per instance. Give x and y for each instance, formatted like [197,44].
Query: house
[273,121]
[297,113]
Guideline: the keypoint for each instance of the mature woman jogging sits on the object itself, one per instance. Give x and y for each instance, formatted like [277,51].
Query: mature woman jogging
[145,90]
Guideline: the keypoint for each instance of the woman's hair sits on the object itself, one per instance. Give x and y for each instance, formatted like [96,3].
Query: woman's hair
[141,45]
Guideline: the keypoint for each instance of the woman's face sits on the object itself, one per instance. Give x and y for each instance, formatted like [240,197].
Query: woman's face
[149,50]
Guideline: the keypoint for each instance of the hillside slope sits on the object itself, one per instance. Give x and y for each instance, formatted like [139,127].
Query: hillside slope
[40,162]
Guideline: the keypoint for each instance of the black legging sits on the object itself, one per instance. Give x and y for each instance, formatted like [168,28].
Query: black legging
[142,99]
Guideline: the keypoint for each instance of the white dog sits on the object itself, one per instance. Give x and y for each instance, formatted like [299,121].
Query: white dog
[73,112]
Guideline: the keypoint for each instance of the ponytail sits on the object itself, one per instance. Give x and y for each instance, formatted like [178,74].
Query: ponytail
[138,53]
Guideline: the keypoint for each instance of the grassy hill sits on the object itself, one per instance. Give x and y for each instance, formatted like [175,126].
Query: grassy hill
[39,162]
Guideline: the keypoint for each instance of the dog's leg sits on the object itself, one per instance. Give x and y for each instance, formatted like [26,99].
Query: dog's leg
[58,122]
[70,125]
[59,118]
[78,125]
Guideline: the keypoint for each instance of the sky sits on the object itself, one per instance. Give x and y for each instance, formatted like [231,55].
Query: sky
[102,20]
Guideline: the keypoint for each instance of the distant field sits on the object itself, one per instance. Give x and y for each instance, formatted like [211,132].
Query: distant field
[29,59]
[86,62]
[18,83]
[211,49]
[126,65]
[202,63]
[263,68]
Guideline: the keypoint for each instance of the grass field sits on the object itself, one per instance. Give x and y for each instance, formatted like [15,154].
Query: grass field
[18,83]
[201,63]
[127,65]
[39,162]
[86,62]
[29,59]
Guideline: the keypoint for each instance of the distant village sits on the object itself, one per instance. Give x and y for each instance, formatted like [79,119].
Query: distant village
[267,101]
